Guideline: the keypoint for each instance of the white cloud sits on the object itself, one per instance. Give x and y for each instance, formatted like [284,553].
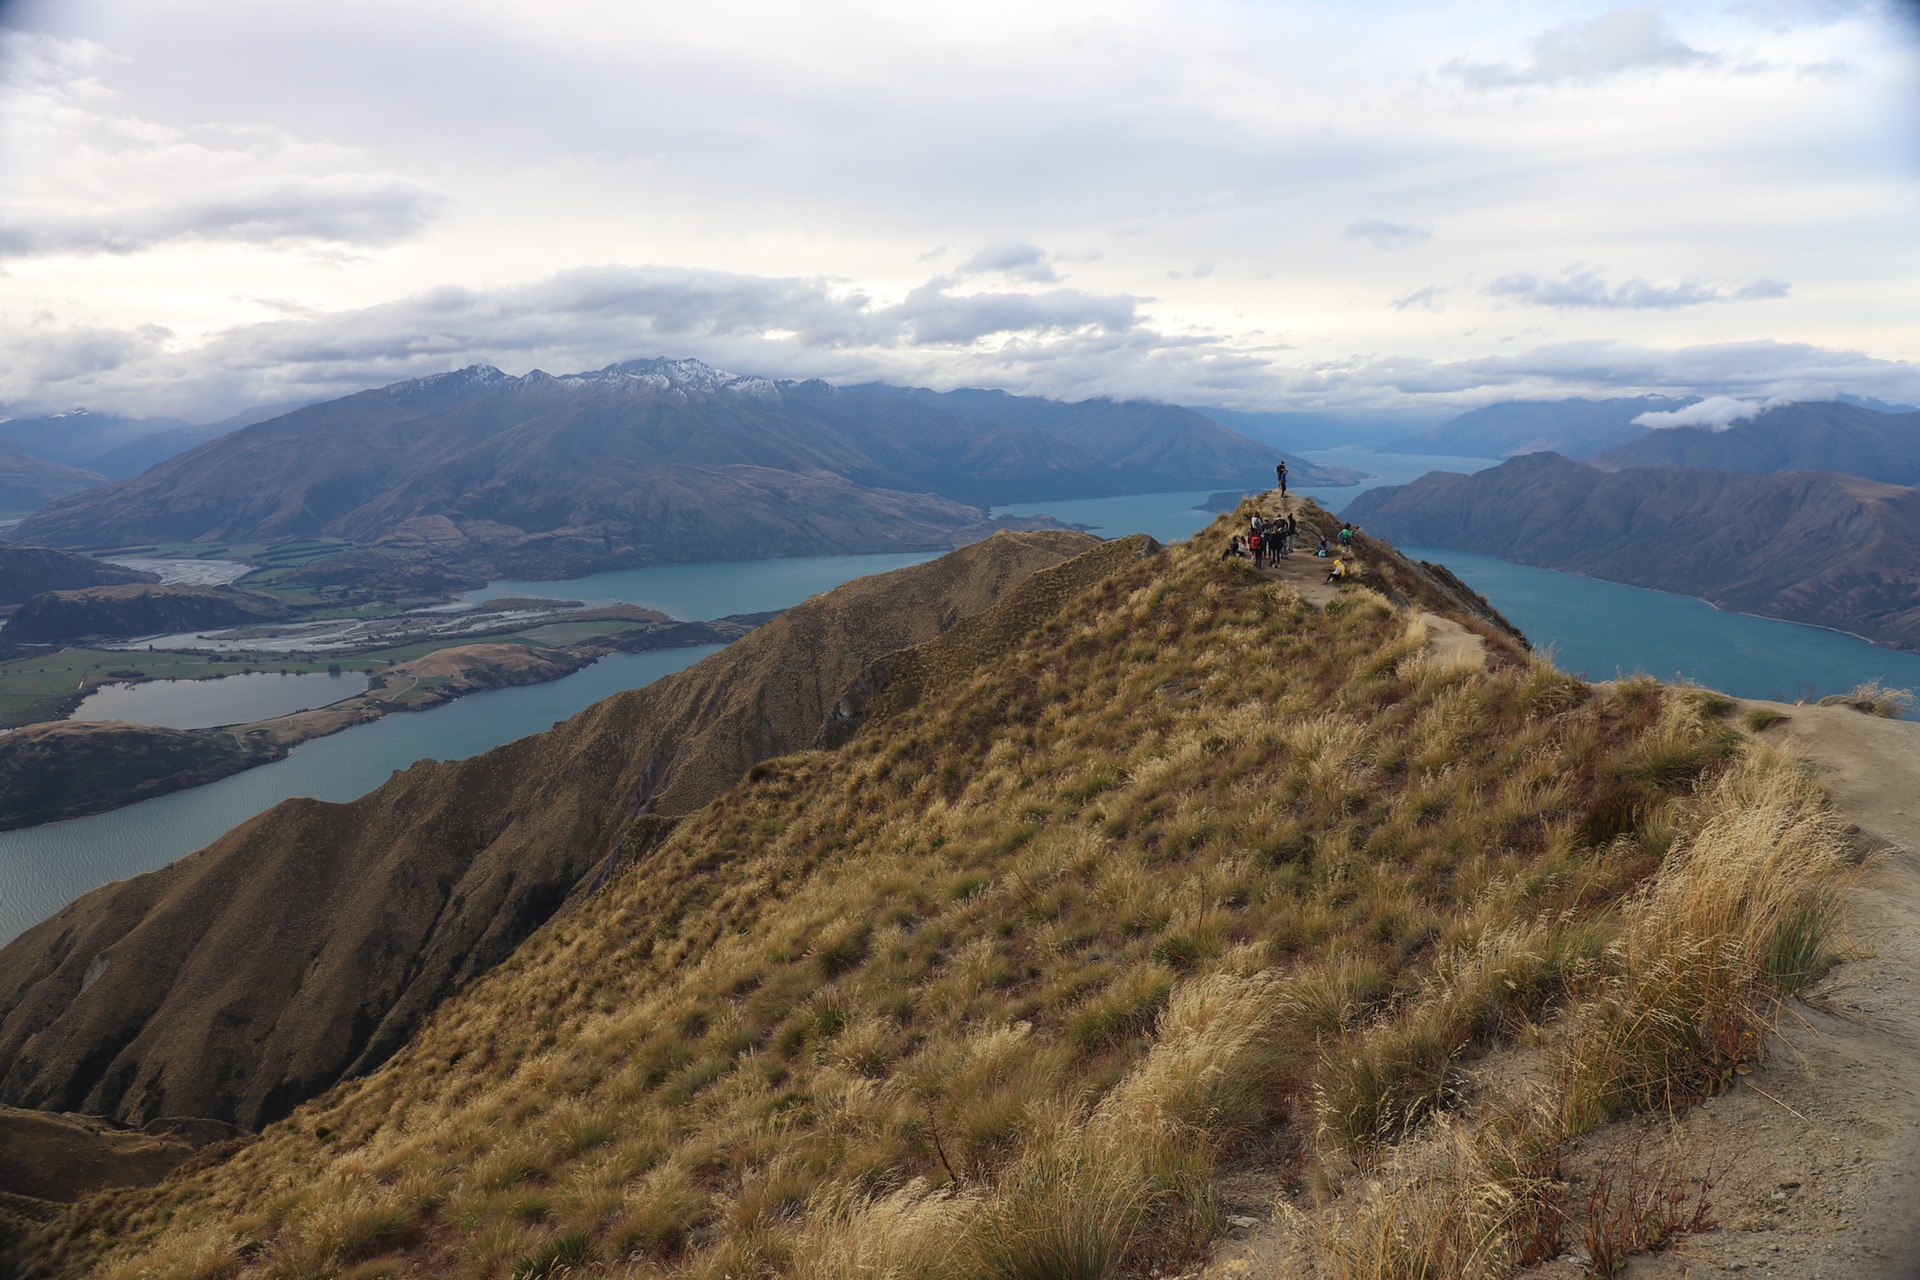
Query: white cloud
[1583,288]
[1636,38]
[106,182]
[1054,342]
[1384,234]
[206,202]
[1716,413]
[1427,298]
[1018,259]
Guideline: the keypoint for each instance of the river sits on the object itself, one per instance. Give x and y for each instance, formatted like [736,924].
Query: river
[1594,627]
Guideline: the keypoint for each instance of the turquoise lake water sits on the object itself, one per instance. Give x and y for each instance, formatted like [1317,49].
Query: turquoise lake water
[1603,629]
[1597,628]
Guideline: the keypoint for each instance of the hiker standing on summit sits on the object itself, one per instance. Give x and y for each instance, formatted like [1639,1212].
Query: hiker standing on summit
[1281,472]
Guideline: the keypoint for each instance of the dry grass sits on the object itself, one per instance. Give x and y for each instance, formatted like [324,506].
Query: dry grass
[1876,699]
[1741,913]
[991,990]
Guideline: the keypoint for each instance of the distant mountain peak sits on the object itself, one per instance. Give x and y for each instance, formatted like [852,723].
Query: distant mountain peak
[474,375]
[686,375]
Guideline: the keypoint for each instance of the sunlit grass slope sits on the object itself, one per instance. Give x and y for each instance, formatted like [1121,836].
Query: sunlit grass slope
[1193,870]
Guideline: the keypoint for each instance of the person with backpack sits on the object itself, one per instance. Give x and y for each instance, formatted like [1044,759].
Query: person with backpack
[1281,472]
[1346,536]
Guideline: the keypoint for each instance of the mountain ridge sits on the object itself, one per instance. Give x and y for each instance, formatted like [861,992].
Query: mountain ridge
[646,462]
[382,907]
[1815,547]
[1814,436]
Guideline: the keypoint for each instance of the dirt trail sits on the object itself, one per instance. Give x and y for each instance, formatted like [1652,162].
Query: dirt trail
[1818,1152]
[1307,574]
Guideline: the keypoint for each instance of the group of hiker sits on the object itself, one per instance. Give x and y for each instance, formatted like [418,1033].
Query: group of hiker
[1266,541]
[1270,539]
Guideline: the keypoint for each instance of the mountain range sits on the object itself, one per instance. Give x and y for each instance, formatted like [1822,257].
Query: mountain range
[652,461]
[1821,436]
[115,446]
[1576,427]
[1832,550]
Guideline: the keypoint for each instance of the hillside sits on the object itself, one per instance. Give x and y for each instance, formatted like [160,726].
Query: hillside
[1826,436]
[1168,871]
[133,609]
[28,483]
[63,769]
[383,907]
[26,572]
[1833,551]
[647,462]
[1577,428]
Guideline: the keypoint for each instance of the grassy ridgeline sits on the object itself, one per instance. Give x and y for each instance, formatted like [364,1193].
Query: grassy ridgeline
[1194,871]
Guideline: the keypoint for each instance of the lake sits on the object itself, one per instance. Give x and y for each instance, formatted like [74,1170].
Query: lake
[241,698]
[44,868]
[1598,628]
[1603,629]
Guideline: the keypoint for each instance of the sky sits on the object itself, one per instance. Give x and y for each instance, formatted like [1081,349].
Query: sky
[1399,208]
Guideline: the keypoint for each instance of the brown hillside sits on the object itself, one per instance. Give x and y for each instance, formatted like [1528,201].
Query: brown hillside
[1197,870]
[310,942]
[1807,546]
[64,769]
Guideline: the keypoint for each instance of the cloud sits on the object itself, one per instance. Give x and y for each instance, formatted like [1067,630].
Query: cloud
[582,318]
[1617,42]
[1716,413]
[1383,234]
[1579,287]
[109,182]
[1019,259]
[1427,299]
[1059,342]
[365,210]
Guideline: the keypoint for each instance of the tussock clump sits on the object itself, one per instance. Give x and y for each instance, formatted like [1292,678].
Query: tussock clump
[991,989]
[1876,699]
[1742,912]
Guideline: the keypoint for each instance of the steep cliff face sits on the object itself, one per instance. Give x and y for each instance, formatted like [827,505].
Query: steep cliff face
[311,942]
[1831,550]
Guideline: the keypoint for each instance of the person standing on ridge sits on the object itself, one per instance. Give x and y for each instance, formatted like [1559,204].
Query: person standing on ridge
[1281,472]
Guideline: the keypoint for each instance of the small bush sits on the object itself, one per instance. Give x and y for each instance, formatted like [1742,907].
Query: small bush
[1760,719]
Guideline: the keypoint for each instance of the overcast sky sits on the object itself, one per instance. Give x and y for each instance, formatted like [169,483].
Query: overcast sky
[207,204]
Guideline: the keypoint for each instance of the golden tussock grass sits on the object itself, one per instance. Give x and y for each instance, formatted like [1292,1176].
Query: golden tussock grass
[993,989]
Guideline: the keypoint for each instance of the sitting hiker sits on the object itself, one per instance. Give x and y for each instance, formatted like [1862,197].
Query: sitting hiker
[1324,550]
[1339,572]
[1238,547]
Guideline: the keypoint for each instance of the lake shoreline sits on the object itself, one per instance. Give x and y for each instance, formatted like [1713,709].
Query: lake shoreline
[170,760]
